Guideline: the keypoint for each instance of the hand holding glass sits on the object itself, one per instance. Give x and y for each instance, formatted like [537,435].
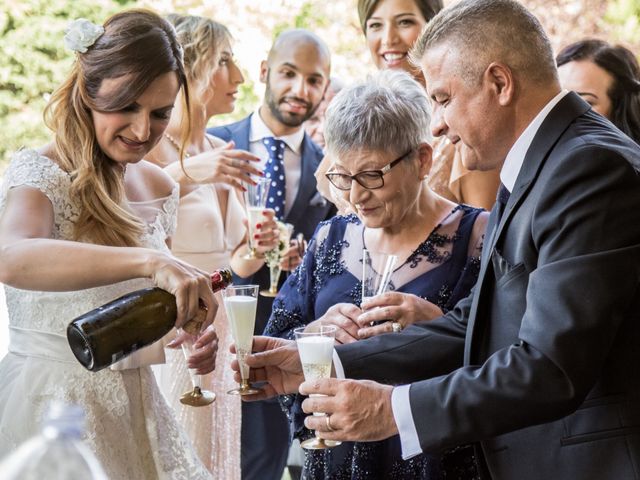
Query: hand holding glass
[196,397]
[273,258]
[240,302]
[315,347]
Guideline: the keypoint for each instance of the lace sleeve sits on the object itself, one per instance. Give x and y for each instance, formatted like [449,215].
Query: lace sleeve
[469,273]
[169,214]
[29,168]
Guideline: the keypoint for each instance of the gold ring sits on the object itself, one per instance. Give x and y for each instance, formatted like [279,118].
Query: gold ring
[396,327]
[327,420]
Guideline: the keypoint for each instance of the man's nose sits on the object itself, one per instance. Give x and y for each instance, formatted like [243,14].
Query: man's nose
[300,88]
[438,125]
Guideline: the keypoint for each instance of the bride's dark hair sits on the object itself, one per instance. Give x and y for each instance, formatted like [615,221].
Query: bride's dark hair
[138,45]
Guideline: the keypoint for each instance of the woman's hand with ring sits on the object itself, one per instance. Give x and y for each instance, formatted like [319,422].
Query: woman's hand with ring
[224,164]
[396,311]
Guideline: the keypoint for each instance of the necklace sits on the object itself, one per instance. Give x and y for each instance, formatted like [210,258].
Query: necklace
[177,145]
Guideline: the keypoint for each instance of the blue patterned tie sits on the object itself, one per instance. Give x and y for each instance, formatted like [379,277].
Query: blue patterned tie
[501,200]
[274,170]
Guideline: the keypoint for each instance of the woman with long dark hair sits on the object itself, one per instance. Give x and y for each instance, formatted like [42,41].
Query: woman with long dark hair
[607,77]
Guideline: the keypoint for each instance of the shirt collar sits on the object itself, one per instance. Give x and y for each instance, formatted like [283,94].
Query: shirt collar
[259,130]
[515,157]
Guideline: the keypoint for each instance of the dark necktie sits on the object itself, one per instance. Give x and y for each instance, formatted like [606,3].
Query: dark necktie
[274,170]
[501,201]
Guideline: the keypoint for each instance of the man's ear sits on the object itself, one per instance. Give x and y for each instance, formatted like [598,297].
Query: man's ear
[501,81]
[264,71]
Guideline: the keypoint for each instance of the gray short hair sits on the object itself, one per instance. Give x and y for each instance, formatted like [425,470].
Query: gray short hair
[387,112]
[488,31]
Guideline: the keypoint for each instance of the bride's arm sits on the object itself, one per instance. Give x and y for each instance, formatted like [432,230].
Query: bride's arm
[31,259]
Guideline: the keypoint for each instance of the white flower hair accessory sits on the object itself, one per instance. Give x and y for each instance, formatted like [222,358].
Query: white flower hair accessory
[81,34]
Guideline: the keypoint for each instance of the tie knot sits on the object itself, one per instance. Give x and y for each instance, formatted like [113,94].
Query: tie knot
[503,194]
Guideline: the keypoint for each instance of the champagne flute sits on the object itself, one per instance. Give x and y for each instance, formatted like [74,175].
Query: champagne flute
[376,273]
[240,303]
[196,397]
[255,200]
[315,347]
[273,259]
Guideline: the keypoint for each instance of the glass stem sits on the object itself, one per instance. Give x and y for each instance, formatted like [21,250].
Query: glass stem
[274,275]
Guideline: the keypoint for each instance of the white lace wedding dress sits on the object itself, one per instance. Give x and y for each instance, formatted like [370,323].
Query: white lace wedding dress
[128,424]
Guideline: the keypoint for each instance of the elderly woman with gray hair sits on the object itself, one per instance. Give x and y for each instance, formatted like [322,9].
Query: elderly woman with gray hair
[375,132]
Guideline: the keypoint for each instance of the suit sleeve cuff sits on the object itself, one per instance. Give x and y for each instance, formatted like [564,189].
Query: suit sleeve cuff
[401,405]
[337,366]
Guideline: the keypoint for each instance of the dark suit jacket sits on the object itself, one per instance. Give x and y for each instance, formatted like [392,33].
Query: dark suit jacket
[309,207]
[541,363]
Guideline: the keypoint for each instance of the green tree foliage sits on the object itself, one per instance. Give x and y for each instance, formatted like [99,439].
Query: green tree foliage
[34,62]
[624,15]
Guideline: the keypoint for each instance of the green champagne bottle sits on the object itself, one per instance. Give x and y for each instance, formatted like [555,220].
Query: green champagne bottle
[109,333]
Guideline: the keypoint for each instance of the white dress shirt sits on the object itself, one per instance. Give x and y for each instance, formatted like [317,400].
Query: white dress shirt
[400,399]
[292,155]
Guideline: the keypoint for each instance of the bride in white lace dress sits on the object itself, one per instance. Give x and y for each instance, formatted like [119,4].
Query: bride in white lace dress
[83,221]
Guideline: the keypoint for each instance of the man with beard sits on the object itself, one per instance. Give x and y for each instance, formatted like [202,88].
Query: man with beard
[296,74]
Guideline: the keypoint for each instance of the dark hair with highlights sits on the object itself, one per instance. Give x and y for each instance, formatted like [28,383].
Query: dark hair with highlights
[622,65]
[140,46]
[428,8]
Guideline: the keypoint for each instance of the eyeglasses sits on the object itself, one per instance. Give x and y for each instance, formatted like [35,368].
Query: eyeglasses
[369,179]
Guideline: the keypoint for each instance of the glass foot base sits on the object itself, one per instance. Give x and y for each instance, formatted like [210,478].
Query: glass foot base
[268,293]
[198,397]
[244,390]
[252,255]
[316,443]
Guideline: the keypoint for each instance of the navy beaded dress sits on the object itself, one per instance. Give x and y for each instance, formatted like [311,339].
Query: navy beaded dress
[443,269]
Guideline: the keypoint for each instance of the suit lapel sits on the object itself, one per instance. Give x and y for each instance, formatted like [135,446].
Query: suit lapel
[307,187]
[240,133]
[558,120]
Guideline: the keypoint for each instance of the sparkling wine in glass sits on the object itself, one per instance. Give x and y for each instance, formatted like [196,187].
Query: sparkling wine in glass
[315,347]
[255,200]
[196,397]
[240,303]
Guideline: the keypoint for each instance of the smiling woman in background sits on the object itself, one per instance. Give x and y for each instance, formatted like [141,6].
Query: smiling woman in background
[391,27]
[607,77]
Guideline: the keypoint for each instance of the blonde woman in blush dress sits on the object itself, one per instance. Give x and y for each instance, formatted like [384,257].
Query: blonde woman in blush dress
[210,227]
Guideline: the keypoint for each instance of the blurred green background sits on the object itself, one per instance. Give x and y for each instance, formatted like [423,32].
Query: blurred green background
[33,60]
